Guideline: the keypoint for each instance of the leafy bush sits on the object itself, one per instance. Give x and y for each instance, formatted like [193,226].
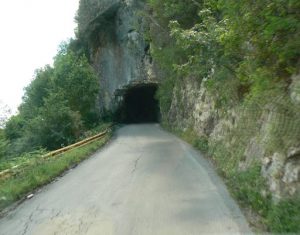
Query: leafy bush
[247,187]
[255,42]
[4,144]
[284,217]
[58,105]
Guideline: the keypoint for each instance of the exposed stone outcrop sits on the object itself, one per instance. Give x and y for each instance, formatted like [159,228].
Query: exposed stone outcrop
[192,107]
[267,134]
[295,89]
[114,31]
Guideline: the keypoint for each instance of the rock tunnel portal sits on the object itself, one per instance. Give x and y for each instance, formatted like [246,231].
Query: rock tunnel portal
[139,105]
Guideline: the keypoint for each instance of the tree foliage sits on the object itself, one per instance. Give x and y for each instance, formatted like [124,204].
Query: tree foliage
[58,105]
[4,144]
[5,112]
[253,41]
[4,115]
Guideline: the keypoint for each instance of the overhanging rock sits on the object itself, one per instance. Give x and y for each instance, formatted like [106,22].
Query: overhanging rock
[92,10]
[114,31]
[119,93]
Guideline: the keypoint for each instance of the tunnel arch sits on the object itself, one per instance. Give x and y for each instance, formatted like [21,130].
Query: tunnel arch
[139,105]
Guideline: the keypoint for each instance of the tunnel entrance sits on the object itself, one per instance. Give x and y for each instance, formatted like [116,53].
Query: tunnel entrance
[139,105]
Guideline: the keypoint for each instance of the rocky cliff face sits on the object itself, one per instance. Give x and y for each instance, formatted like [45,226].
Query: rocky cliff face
[114,31]
[267,135]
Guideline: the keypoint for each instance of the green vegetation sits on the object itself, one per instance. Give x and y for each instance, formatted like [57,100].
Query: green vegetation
[39,171]
[3,144]
[244,53]
[253,42]
[58,106]
[4,114]
[26,157]
[191,137]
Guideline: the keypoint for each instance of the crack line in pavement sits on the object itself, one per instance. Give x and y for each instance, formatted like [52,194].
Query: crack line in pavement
[55,215]
[136,163]
[27,223]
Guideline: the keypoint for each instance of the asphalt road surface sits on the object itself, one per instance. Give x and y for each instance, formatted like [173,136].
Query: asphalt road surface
[145,181]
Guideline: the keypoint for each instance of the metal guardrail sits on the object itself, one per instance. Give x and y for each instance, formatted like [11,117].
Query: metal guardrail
[78,144]
[8,172]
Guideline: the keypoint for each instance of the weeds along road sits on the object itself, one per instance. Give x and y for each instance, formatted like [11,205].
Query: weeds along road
[146,181]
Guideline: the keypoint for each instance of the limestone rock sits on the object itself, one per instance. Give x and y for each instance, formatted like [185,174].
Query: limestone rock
[192,106]
[254,152]
[292,173]
[114,32]
[293,152]
[295,89]
[273,172]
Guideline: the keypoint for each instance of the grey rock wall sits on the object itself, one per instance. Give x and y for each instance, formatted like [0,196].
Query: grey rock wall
[268,135]
[114,30]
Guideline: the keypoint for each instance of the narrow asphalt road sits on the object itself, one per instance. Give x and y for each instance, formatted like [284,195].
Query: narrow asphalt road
[146,181]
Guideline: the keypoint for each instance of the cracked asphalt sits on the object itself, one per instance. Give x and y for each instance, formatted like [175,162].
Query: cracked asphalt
[144,182]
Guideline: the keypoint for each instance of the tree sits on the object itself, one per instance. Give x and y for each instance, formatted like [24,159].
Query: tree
[79,83]
[55,126]
[3,144]
[58,105]
[36,92]
[5,112]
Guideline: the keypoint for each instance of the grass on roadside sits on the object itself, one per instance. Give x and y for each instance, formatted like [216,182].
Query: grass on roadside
[42,171]
[27,158]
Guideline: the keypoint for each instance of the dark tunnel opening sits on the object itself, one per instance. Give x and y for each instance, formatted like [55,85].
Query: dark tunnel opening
[139,105]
